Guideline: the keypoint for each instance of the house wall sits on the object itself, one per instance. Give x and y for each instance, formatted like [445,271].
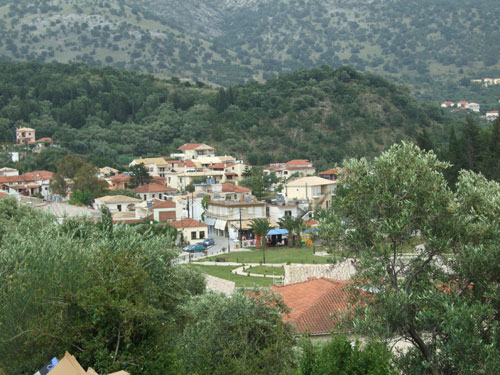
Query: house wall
[200,234]
[278,212]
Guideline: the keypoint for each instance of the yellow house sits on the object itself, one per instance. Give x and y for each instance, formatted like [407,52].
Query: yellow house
[313,189]
[155,166]
[192,230]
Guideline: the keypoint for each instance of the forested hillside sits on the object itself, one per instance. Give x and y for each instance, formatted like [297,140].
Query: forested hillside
[429,44]
[323,114]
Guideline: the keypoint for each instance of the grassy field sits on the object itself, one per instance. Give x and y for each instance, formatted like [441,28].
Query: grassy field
[224,272]
[302,255]
[265,270]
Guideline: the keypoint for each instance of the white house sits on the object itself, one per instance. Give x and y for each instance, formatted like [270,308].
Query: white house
[492,115]
[117,203]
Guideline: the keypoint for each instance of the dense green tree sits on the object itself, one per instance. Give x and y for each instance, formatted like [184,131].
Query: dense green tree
[340,356]
[238,335]
[139,175]
[58,185]
[258,182]
[108,294]
[400,200]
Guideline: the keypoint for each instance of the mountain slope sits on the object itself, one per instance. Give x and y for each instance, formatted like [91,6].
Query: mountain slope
[323,114]
[422,42]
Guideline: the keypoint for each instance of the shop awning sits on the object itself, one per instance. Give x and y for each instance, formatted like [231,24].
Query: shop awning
[277,232]
[247,224]
[220,224]
[210,221]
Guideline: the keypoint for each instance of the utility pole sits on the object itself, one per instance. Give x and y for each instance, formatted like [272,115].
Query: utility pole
[241,242]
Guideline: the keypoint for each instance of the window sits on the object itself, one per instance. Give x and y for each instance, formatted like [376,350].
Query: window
[202,234]
[193,235]
[288,213]
[145,198]
[119,207]
[153,195]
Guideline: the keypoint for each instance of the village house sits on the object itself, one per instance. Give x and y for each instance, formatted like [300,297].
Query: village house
[181,180]
[117,203]
[296,167]
[462,104]
[155,166]
[9,172]
[154,190]
[233,170]
[492,115]
[474,107]
[28,184]
[332,174]
[192,230]
[224,217]
[192,151]
[25,136]
[315,190]
[447,104]
[313,305]
[118,182]
[107,172]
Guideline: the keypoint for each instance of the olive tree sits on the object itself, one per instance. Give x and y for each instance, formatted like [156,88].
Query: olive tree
[405,224]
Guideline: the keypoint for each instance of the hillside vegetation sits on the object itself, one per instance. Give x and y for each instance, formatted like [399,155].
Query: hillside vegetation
[324,114]
[430,44]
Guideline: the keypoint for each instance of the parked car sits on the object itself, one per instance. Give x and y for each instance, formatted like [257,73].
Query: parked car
[195,248]
[209,242]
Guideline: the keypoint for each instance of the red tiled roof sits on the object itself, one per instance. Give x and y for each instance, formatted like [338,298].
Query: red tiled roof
[163,204]
[152,188]
[27,177]
[189,164]
[313,303]
[187,223]
[3,194]
[296,162]
[230,188]
[231,174]
[120,178]
[332,171]
[193,146]
[38,175]
[166,216]
[45,139]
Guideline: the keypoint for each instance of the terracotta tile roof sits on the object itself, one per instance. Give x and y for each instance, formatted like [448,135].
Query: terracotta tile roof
[194,146]
[166,216]
[187,223]
[230,188]
[189,164]
[296,162]
[163,204]
[313,302]
[27,177]
[120,178]
[152,188]
[3,194]
[332,171]
[231,174]
[38,175]
[45,139]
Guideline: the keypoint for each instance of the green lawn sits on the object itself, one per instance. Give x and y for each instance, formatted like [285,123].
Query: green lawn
[265,270]
[224,272]
[273,255]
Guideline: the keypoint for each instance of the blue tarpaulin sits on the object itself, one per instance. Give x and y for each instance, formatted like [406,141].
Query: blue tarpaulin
[277,232]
